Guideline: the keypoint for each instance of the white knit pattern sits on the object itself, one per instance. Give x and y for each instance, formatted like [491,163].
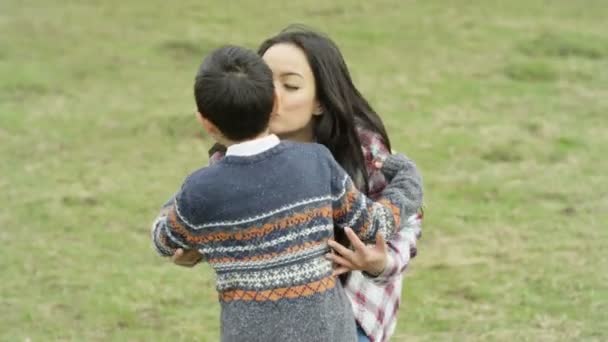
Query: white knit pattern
[165,227]
[384,218]
[155,231]
[321,249]
[266,244]
[276,277]
[358,210]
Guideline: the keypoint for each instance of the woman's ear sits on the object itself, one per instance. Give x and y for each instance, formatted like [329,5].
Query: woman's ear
[318,109]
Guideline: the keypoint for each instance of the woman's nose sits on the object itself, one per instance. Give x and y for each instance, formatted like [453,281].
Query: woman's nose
[277,100]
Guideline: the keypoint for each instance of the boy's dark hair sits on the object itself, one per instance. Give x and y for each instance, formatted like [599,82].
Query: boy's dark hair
[234,90]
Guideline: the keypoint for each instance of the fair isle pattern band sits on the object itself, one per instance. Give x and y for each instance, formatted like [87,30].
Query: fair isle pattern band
[266,244]
[323,212]
[361,205]
[383,215]
[161,248]
[307,272]
[299,291]
[270,260]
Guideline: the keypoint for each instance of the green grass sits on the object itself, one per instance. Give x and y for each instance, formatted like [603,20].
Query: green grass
[502,104]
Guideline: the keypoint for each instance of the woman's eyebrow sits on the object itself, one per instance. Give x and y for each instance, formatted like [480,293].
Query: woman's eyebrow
[290,73]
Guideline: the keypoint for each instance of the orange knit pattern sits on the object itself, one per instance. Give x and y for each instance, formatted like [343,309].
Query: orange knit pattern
[305,290]
[351,196]
[394,209]
[253,232]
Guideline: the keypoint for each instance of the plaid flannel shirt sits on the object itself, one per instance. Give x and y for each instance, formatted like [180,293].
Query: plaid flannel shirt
[376,300]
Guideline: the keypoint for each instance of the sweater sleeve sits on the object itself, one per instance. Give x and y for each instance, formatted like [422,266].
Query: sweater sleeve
[353,209]
[171,229]
[169,234]
[161,234]
[404,183]
[402,246]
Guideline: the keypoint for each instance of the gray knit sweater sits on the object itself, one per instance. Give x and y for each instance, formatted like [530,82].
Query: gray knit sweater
[263,221]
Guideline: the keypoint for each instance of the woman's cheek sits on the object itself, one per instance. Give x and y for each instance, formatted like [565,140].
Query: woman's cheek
[294,112]
[275,125]
[298,109]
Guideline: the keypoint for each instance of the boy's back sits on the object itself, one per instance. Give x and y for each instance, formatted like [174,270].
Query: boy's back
[262,222]
[240,187]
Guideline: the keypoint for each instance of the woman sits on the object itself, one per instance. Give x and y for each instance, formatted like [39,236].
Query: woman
[318,102]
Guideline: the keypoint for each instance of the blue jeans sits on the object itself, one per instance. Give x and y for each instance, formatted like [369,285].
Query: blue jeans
[361,336]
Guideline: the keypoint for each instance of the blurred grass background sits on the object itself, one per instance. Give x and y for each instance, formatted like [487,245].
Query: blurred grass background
[502,104]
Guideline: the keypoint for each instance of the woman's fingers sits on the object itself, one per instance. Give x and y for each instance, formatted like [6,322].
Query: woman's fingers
[340,261]
[354,239]
[381,243]
[371,259]
[340,249]
[340,270]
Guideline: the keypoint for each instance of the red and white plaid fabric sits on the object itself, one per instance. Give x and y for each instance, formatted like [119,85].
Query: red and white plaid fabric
[376,300]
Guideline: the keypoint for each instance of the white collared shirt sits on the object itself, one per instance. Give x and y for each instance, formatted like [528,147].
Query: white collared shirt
[252,147]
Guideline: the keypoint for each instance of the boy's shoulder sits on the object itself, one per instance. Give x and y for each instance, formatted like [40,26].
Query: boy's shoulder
[316,153]
[203,177]
[312,148]
[198,189]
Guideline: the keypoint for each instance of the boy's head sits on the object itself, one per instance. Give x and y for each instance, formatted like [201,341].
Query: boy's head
[234,92]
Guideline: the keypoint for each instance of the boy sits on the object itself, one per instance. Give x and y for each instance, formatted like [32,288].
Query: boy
[262,216]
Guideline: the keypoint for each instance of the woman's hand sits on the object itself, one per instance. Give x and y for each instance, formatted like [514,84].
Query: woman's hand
[371,259]
[187,258]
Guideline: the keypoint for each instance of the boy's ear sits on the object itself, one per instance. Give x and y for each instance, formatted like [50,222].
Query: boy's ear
[207,125]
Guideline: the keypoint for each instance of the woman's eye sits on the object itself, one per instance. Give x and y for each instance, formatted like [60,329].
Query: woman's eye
[291,87]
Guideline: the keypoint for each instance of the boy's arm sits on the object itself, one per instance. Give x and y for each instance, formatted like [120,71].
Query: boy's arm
[404,181]
[170,231]
[366,218]
[187,258]
[402,246]
[401,249]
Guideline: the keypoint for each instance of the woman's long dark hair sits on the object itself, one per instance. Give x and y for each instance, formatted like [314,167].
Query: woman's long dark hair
[344,108]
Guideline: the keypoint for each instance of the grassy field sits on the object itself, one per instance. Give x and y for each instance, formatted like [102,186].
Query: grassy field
[504,106]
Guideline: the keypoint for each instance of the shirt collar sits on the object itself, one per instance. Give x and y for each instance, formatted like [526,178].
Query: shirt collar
[251,147]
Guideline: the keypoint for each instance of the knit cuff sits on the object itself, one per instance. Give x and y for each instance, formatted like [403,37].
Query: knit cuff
[393,164]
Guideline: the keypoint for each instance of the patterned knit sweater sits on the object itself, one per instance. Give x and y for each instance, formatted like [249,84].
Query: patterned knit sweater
[262,222]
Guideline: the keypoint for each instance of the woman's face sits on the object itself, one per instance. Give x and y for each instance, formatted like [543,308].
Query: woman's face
[295,86]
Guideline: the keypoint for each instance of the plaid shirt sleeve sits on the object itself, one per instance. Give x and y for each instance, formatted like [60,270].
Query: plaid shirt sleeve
[402,248]
[402,245]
